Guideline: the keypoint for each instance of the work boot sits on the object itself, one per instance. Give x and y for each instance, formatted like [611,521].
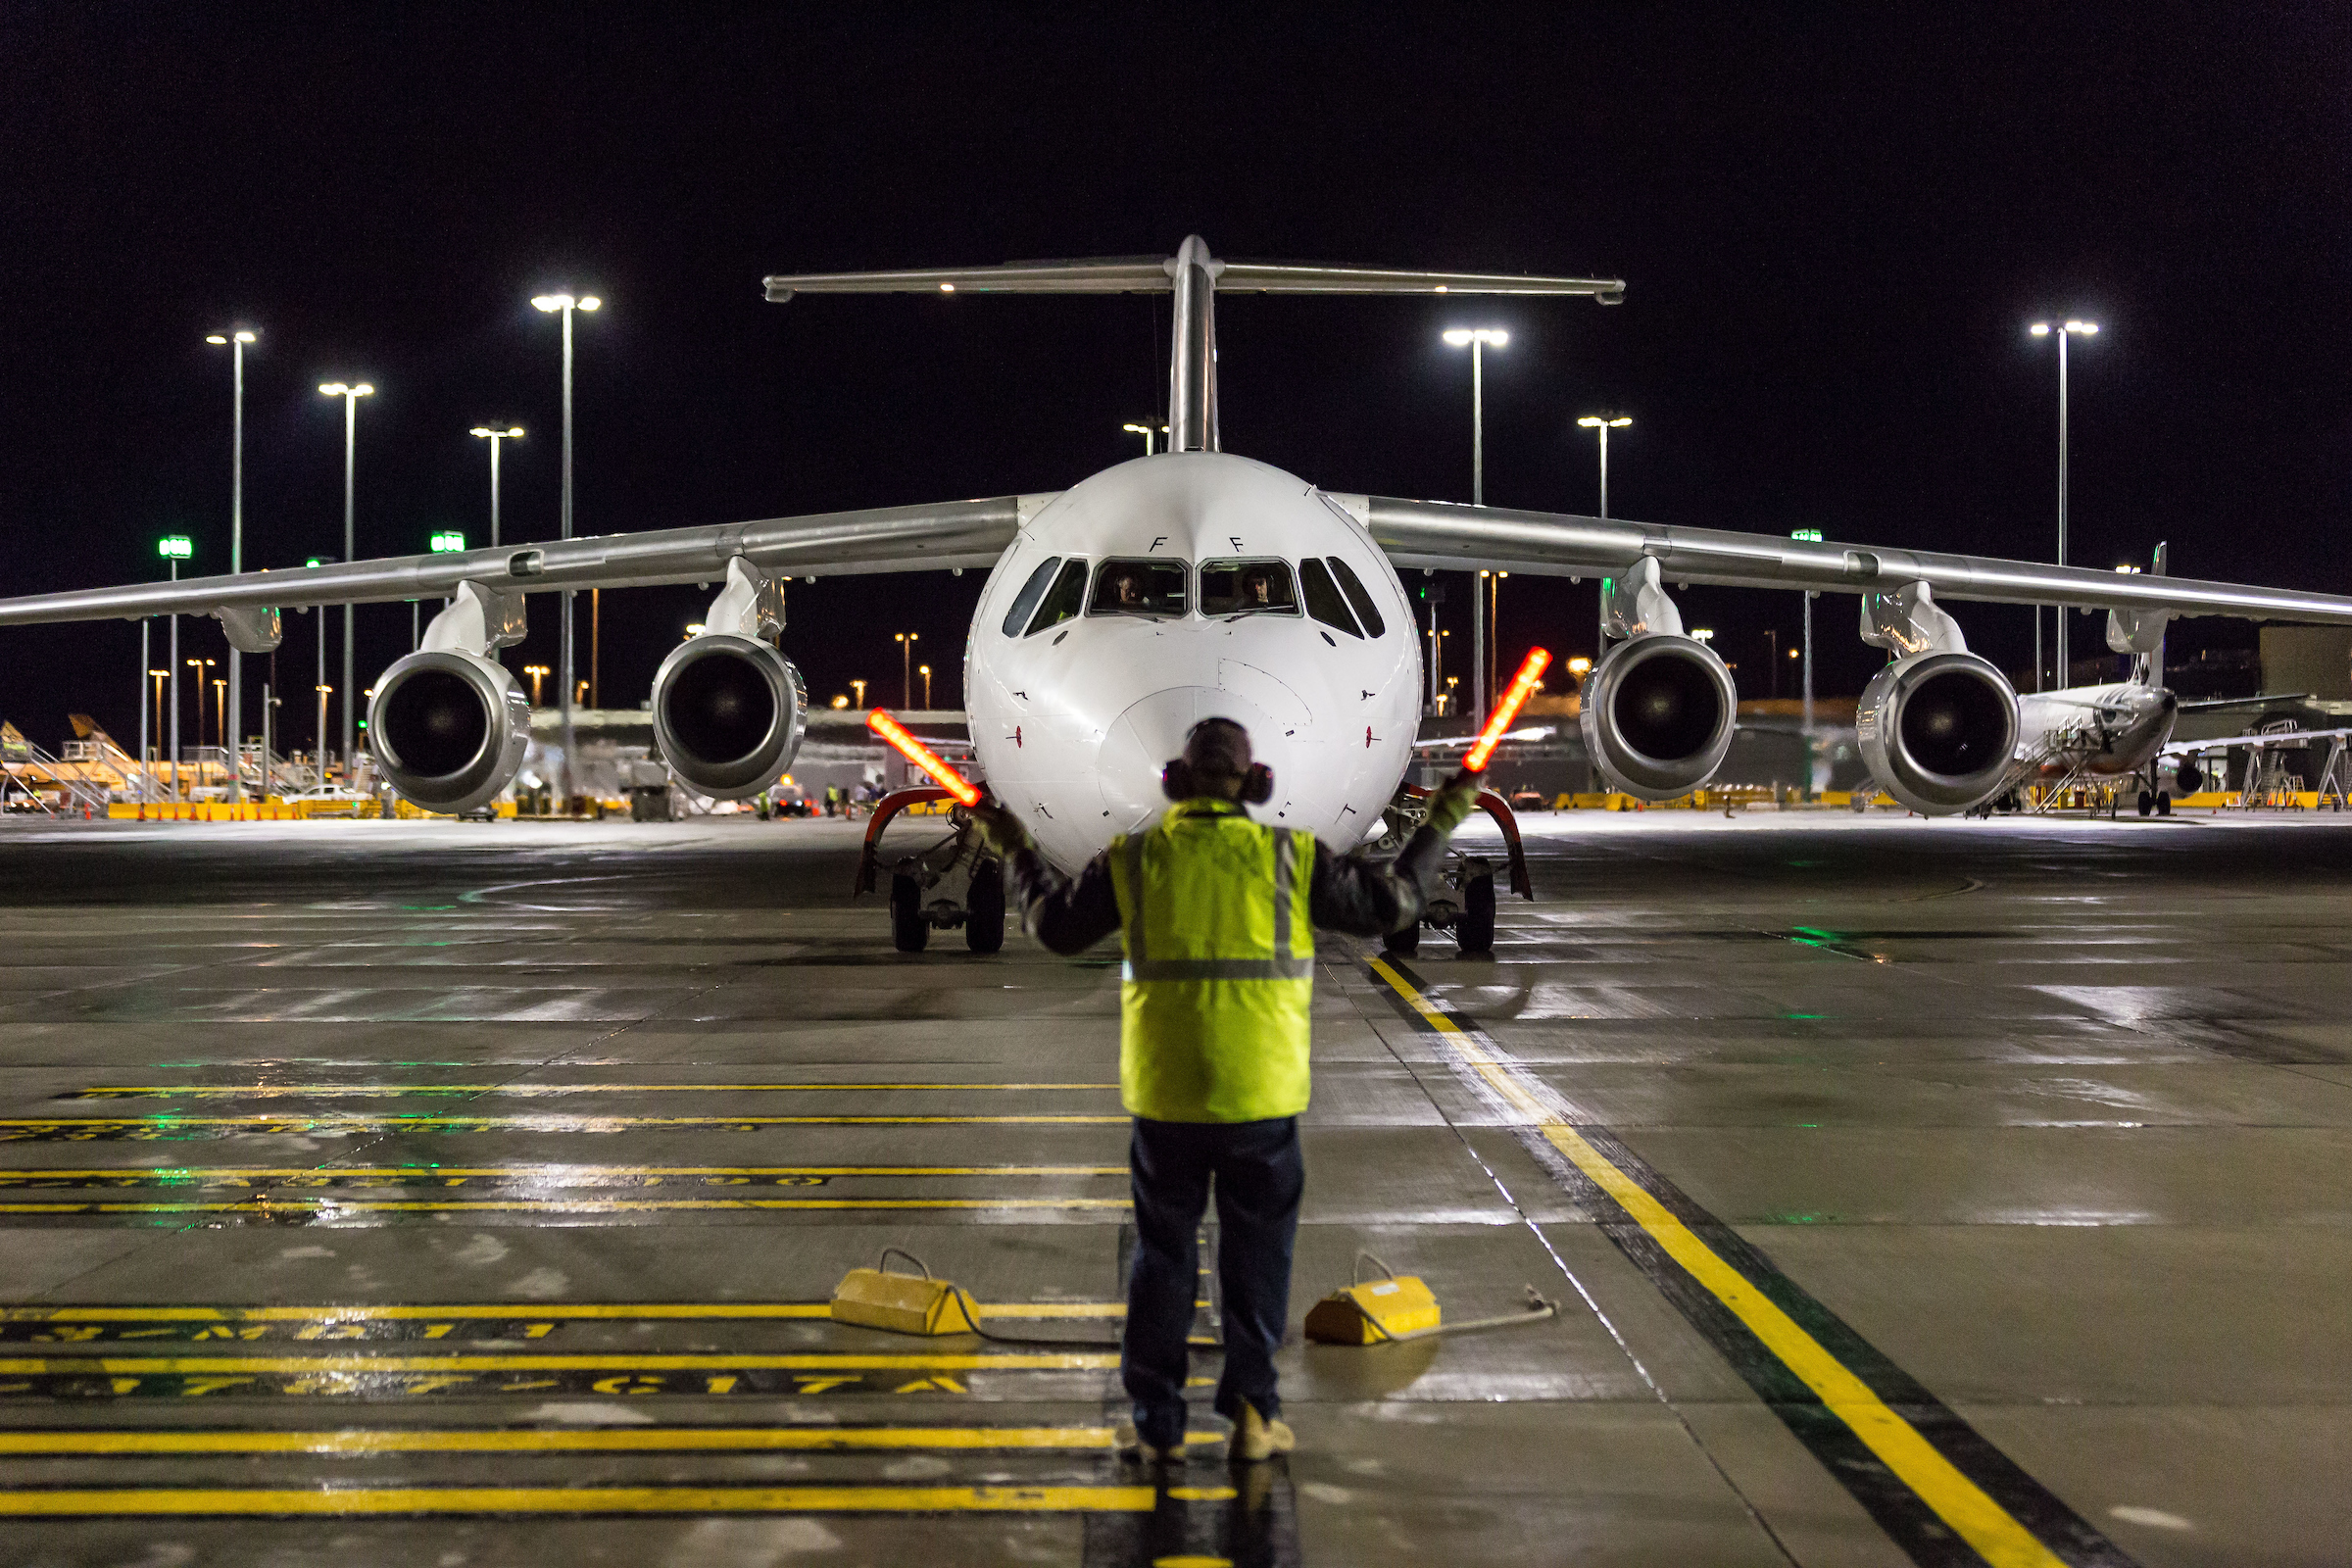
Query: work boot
[1254,1437]
[1129,1443]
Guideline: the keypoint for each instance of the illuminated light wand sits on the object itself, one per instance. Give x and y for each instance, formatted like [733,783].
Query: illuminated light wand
[922,757]
[1523,686]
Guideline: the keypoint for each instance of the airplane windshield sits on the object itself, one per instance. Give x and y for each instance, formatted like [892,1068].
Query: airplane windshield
[1246,588]
[1152,588]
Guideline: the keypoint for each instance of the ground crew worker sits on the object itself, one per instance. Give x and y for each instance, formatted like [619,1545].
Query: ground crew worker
[1216,915]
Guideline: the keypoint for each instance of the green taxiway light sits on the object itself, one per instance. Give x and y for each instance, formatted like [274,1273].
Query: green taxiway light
[449,543]
[176,547]
[1809,535]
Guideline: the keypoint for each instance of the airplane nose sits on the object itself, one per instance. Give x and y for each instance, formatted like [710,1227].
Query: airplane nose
[1144,738]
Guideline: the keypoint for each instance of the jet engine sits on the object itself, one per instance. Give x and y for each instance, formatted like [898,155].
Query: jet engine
[1938,730]
[448,728]
[1657,715]
[1659,709]
[728,713]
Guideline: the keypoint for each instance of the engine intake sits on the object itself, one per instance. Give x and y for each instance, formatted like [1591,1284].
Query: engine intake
[449,729]
[1657,715]
[728,713]
[1938,730]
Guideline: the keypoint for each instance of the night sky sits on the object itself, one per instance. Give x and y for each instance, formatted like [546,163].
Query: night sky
[1835,225]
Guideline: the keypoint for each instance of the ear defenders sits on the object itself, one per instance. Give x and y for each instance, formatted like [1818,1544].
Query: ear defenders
[1178,782]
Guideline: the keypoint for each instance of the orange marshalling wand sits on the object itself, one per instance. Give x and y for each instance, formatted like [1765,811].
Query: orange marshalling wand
[1523,686]
[922,757]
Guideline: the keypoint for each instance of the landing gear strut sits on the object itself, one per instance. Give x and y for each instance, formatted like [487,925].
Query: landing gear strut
[918,904]
[1464,901]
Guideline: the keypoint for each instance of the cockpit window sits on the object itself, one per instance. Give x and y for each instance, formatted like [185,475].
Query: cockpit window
[1323,601]
[1353,586]
[1069,593]
[1024,602]
[1153,588]
[1246,588]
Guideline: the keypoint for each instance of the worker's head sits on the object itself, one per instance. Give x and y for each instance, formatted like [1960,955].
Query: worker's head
[1217,764]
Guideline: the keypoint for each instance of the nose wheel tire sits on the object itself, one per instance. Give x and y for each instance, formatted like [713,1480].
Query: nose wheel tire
[908,930]
[1402,944]
[1474,930]
[2164,806]
[2147,803]
[984,907]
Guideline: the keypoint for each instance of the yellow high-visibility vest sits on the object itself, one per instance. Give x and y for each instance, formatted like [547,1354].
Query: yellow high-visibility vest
[1214,998]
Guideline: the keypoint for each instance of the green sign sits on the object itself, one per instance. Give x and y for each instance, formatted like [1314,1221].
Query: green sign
[1811,536]
[449,542]
[177,547]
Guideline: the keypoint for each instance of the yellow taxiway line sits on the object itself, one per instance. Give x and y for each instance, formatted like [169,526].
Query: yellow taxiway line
[384,1365]
[346,1501]
[534,1311]
[1971,1513]
[357,1090]
[569,1439]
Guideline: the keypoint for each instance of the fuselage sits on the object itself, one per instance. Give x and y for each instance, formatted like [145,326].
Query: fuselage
[1176,588]
[2105,730]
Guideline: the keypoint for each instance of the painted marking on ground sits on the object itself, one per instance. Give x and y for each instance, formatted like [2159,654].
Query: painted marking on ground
[346,1500]
[507,1311]
[1921,1471]
[537,1175]
[170,1127]
[521,1090]
[564,1440]
[272,1205]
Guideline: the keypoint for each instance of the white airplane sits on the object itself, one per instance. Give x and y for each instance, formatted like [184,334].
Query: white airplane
[1166,589]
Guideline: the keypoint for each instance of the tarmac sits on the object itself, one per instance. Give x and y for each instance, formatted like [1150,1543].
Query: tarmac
[437,1194]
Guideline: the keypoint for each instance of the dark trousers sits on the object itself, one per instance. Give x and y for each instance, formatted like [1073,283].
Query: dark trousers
[1259,1176]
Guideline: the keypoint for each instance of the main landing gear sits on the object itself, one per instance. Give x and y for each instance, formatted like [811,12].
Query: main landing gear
[1464,901]
[918,900]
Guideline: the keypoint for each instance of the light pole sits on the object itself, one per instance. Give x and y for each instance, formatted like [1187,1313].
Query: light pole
[318,746]
[1603,423]
[319,761]
[538,674]
[2063,331]
[858,687]
[906,641]
[924,671]
[1810,536]
[513,432]
[176,548]
[1773,661]
[235,342]
[1476,339]
[1146,432]
[157,676]
[566,305]
[351,396]
[199,666]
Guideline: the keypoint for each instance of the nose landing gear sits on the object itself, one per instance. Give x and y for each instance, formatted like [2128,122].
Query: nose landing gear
[917,904]
[1463,903]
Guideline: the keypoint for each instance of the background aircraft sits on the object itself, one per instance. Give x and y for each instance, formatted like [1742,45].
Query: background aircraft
[1193,582]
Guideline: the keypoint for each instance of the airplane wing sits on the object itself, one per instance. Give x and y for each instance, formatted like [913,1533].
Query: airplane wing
[2268,738]
[928,538]
[2259,700]
[1453,537]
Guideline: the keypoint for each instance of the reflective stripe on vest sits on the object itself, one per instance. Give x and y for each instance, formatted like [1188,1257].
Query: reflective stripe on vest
[1219,977]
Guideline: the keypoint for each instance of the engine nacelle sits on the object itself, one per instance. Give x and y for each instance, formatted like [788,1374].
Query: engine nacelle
[2182,775]
[1657,715]
[1938,730]
[728,713]
[448,728]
